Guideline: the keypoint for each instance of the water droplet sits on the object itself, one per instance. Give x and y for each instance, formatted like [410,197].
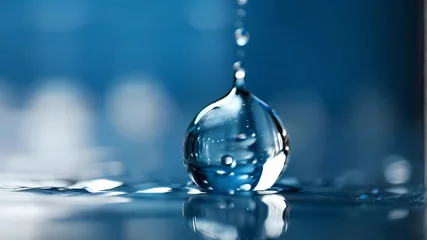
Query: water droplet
[241,13]
[242,2]
[254,146]
[242,37]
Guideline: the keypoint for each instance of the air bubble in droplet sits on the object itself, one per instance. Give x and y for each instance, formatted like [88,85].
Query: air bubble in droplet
[242,37]
[228,161]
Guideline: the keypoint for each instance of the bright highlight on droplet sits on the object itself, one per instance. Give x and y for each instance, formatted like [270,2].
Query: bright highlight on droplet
[156,190]
[228,161]
[242,37]
[240,74]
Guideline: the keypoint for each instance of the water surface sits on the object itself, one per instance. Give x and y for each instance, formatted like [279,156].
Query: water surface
[104,209]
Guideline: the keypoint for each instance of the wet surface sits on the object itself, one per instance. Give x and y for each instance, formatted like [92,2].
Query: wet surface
[111,210]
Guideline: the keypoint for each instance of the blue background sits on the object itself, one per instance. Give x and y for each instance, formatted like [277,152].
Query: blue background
[94,89]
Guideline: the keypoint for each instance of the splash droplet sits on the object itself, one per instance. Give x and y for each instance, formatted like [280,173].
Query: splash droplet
[242,36]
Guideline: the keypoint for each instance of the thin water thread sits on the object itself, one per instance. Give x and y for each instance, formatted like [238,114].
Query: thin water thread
[241,37]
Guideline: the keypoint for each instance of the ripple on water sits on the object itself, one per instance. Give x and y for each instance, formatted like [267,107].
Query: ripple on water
[104,187]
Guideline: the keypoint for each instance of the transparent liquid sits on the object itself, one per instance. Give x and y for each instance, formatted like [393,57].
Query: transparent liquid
[237,143]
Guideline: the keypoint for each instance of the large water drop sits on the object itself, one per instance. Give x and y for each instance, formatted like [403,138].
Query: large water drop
[237,143]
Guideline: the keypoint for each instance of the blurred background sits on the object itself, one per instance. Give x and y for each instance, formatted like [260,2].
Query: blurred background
[106,89]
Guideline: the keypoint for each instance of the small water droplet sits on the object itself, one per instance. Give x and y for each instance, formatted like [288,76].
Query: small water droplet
[242,36]
[242,2]
[241,13]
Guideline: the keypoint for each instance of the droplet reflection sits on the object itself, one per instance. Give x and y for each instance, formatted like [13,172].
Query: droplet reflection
[226,217]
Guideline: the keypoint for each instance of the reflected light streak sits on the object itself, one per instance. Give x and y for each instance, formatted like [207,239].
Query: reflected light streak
[156,190]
